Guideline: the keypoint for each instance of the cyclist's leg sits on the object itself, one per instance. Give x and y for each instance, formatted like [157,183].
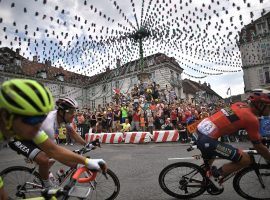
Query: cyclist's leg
[239,159]
[3,194]
[233,166]
[32,152]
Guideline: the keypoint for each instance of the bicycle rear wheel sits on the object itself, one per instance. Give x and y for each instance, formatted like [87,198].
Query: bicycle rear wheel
[249,186]
[19,180]
[183,180]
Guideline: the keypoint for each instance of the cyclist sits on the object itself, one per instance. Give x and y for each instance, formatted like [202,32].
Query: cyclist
[24,105]
[60,118]
[228,121]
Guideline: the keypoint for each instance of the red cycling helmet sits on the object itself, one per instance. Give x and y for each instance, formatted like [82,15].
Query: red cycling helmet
[260,95]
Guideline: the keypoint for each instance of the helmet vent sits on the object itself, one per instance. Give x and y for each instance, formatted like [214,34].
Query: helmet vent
[10,100]
[27,98]
[37,92]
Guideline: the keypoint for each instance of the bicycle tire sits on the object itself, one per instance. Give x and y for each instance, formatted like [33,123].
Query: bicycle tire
[116,190]
[170,167]
[8,187]
[241,174]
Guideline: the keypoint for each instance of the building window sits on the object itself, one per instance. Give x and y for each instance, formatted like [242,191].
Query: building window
[261,28]
[93,104]
[150,62]
[62,89]
[93,91]
[266,74]
[133,80]
[117,84]
[261,78]
[177,76]
[104,88]
[153,75]
[104,101]
[171,72]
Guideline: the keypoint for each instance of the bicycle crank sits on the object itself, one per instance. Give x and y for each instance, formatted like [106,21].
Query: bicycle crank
[211,189]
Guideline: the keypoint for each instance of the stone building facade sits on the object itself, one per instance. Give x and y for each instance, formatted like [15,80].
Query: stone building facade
[254,44]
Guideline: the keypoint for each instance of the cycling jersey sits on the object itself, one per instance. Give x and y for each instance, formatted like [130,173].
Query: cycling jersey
[30,152]
[51,126]
[229,120]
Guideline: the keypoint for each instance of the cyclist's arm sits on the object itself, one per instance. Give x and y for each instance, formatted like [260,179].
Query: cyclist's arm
[60,154]
[3,194]
[75,135]
[255,137]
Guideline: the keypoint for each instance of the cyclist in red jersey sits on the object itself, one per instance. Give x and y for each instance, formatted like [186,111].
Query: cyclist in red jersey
[229,120]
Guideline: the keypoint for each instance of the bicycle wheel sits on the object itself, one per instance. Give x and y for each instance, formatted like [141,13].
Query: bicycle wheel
[182,180]
[247,184]
[19,180]
[103,188]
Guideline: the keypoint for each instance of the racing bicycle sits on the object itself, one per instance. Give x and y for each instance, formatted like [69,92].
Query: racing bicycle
[185,180]
[25,182]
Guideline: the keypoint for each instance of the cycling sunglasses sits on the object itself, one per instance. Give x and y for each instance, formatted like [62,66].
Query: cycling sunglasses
[33,120]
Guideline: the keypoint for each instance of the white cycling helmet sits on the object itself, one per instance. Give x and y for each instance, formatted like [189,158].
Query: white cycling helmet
[66,103]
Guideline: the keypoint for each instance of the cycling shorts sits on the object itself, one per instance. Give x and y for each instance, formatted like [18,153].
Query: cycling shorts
[27,148]
[212,148]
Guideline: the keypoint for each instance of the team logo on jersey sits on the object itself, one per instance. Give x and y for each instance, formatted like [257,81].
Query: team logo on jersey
[231,116]
[22,147]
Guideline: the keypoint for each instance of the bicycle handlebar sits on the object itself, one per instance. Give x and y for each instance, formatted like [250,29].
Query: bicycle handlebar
[89,147]
[91,175]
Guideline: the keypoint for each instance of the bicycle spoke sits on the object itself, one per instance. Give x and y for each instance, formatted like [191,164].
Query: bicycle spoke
[186,178]
[251,185]
[19,180]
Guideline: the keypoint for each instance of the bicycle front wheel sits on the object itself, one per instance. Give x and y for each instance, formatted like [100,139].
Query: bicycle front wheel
[103,187]
[250,185]
[21,182]
[183,180]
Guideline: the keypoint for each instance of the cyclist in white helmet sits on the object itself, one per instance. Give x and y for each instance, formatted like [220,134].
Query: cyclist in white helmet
[62,117]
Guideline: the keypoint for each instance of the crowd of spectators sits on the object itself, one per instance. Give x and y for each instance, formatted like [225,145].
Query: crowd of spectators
[145,108]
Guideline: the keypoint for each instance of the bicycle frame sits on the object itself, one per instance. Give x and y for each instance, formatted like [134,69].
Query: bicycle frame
[70,171]
[53,193]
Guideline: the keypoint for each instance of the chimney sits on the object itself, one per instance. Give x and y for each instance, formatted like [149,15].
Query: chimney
[18,51]
[209,85]
[118,62]
[35,58]
[200,82]
[205,83]
[48,62]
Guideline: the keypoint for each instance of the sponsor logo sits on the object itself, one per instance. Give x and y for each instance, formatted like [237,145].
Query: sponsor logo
[22,147]
[224,112]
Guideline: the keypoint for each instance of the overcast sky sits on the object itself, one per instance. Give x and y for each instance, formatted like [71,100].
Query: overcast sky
[180,34]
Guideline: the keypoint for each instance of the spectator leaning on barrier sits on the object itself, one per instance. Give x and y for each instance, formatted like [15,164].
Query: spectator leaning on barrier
[126,126]
[167,125]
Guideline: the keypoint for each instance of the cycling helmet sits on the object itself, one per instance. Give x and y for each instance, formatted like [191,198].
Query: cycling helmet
[25,97]
[260,96]
[66,103]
